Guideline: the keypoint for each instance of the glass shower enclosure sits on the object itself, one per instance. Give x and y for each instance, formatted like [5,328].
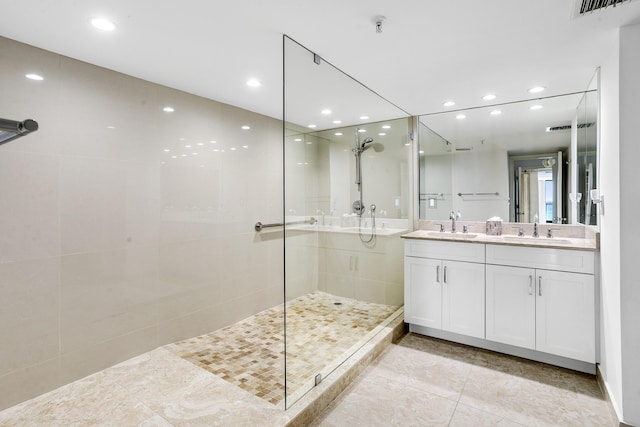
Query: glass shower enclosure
[347,201]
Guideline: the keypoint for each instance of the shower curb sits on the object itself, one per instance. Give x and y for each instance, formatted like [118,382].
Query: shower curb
[309,407]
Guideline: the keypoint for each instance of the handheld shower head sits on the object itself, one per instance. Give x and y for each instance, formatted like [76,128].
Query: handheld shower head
[365,142]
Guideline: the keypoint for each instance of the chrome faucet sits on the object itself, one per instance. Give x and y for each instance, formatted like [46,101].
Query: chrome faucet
[453,216]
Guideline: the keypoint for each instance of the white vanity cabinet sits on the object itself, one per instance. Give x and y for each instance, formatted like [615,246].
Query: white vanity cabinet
[444,286]
[529,301]
[549,309]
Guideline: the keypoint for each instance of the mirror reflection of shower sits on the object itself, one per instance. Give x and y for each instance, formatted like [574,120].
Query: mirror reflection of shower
[358,205]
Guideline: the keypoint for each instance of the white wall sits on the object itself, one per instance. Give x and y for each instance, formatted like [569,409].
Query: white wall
[629,208]
[610,346]
[109,246]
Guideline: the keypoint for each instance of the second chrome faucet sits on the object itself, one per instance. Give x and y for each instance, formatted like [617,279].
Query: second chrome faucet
[454,216]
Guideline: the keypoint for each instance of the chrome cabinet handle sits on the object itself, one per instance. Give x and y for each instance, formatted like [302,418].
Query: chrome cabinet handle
[445,274]
[540,285]
[437,274]
[530,284]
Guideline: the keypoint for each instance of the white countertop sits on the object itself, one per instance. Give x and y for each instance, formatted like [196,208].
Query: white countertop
[506,239]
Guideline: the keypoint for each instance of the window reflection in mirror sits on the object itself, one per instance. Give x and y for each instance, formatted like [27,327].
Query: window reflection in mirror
[534,159]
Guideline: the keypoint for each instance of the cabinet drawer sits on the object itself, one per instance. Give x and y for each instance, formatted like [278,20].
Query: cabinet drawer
[454,251]
[543,258]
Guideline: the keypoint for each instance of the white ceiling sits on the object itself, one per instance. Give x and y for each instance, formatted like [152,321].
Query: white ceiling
[429,51]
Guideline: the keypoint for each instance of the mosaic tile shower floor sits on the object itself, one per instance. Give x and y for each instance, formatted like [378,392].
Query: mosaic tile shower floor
[250,353]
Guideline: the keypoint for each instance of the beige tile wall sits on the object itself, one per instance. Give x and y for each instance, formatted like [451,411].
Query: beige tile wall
[109,246]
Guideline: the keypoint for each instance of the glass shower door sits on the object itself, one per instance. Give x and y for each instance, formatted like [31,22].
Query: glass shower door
[343,266]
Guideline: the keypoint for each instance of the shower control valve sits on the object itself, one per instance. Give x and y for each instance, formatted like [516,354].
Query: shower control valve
[358,207]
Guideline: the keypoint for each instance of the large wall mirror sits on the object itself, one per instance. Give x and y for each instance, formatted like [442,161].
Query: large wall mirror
[534,160]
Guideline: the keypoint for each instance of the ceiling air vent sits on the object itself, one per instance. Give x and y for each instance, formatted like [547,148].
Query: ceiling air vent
[582,7]
[568,127]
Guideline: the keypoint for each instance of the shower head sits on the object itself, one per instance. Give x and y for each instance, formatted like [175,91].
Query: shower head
[368,143]
[365,142]
[12,129]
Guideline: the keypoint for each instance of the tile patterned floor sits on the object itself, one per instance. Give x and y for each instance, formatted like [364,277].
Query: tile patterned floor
[428,382]
[250,354]
[418,382]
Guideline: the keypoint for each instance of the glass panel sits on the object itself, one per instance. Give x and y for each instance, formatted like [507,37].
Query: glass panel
[343,268]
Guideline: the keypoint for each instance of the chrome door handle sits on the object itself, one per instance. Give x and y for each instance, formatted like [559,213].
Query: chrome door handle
[437,274]
[530,284]
[540,285]
[445,274]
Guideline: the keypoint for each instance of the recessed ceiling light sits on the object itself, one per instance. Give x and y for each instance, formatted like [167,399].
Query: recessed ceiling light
[461,116]
[495,112]
[535,107]
[183,155]
[194,154]
[449,104]
[32,76]
[421,151]
[536,89]
[362,130]
[254,83]
[338,134]
[245,146]
[312,126]
[381,134]
[245,127]
[187,146]
[326,111]
[364,117]
[166,150]
[111,127]
[174,157]
[103,24]
[215,150]
[337,122]
[200,143]
[213,142]
[386,127]
[233,148]
[309,142]
[298,139]
[168,109]
[489,97]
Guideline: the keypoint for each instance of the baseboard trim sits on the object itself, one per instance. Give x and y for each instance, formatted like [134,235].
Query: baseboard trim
[563,362]
[605,392]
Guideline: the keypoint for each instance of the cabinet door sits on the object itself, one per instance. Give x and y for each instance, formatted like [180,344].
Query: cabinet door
[463,298]
[565,315]
[511,305]
[423,292]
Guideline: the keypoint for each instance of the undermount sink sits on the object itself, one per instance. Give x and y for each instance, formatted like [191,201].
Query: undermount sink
[542,240]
